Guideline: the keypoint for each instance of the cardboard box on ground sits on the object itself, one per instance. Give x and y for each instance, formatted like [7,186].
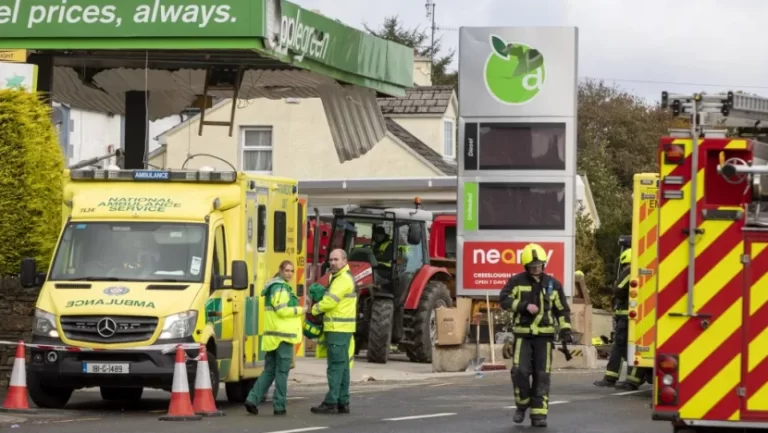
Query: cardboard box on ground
[453,323]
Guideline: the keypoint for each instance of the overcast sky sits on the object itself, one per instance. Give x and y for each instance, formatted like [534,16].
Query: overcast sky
[646,46]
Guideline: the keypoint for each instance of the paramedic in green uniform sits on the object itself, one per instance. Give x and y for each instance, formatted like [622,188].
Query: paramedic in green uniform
[339,310]
[282,331]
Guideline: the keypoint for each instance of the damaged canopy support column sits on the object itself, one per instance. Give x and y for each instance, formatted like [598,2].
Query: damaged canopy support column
[136,129]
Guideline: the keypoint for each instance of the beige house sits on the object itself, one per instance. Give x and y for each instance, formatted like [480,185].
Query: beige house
[291,137]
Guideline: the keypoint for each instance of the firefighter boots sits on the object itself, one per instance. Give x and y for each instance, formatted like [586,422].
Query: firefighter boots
[519,416]
[343,408]
[605,383]
[538,421]
[626,386]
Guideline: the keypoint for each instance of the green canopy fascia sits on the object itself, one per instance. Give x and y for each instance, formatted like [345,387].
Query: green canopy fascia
[275,29]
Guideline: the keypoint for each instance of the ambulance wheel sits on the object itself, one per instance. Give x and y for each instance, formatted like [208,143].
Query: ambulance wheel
[213,371]
[380,330]
[435,295]
[121,394]
[47,396]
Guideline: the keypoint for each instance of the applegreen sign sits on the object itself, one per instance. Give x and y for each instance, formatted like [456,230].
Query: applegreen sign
[514,72]
[130,18]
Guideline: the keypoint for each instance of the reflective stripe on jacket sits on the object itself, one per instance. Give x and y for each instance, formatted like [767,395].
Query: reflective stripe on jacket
[339,304]
[621,293]
[282,318]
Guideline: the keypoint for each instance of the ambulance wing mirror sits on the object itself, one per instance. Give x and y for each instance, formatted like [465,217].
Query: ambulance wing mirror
[29,276]
[239,275]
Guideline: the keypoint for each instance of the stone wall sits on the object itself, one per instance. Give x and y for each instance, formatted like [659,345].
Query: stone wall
[17,306]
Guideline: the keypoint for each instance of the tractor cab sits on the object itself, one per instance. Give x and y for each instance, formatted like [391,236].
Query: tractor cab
[387,253]
[385,247]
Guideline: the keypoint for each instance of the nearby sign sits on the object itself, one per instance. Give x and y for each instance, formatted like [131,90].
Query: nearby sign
[300,36]
[488,265]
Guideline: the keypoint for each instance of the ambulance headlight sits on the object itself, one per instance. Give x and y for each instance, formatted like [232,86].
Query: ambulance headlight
[179,325]
[44,324]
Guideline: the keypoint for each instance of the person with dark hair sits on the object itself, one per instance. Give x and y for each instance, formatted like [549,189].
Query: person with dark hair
[282,331]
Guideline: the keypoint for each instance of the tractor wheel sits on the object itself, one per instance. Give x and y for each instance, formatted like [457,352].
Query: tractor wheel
[380,330]
[435,295]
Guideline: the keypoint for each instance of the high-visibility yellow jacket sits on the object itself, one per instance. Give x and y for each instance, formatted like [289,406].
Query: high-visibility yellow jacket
[283,315]
[339,304]
[383,253]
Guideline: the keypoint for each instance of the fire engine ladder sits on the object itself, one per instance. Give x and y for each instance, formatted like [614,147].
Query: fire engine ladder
[722,110]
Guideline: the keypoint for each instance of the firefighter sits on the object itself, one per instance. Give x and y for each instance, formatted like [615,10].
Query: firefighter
[282,331]
[538,303]
[621,328]
[339,309]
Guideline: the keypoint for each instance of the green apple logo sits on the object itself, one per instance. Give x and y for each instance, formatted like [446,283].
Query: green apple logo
[514,72]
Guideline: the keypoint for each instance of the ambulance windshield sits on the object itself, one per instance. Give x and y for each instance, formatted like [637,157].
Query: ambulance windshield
[131,251]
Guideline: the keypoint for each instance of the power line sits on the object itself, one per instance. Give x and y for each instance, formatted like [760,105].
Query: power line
[674,83]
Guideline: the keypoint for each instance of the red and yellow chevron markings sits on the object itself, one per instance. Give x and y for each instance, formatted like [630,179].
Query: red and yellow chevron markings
[647,259]
[756,328]
[710,345]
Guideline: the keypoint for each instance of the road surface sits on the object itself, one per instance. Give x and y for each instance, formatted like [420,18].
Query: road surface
[451,405]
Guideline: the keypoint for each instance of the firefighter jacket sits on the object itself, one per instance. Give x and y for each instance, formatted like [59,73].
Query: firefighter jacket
[621,293]
[339,304]
[521,290]
[282,319]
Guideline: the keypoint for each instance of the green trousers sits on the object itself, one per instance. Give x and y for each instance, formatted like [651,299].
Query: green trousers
[338,367]
[277,364]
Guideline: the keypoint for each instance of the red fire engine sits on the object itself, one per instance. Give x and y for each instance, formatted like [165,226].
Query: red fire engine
[711,366]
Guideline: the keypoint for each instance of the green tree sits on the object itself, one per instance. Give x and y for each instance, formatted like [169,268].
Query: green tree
[392,29]
[589,261]
[618,136]
[31,167]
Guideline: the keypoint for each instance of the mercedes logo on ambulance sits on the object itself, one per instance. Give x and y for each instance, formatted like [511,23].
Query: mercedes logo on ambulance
[106,327]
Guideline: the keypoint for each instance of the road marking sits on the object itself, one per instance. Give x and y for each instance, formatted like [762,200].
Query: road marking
[637,391]
[440,384]
[298,430]
[550,403]
[433,415]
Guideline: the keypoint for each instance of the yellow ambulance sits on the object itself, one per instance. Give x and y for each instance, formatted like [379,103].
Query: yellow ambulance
[642,292]
[148,259]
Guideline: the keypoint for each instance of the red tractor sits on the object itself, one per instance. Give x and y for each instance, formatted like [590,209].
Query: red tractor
[397,303]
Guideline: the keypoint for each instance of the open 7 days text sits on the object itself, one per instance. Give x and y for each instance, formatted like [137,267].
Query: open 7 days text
[149,12]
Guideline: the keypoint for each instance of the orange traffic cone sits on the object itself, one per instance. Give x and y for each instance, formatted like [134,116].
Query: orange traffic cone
[16,400]
[181,404]
[204,403]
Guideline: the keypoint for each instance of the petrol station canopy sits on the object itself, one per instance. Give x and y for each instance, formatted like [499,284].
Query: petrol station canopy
[101,49]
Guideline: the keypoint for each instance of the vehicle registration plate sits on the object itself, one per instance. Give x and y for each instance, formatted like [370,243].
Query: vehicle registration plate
[100,368]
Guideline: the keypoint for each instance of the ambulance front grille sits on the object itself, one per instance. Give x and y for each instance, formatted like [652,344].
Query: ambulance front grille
[108,329]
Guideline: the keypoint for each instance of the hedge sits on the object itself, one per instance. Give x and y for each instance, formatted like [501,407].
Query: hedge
[31,166]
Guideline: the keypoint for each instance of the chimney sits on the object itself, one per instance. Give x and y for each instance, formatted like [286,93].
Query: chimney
[422,70]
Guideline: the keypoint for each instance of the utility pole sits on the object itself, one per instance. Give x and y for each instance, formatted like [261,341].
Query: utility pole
[431,15]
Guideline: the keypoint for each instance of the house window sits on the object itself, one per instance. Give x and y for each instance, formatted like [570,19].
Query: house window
[448,146]
[257,149]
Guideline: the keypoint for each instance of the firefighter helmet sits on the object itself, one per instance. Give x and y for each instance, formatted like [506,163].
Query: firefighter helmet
[533,254]
[626,257]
